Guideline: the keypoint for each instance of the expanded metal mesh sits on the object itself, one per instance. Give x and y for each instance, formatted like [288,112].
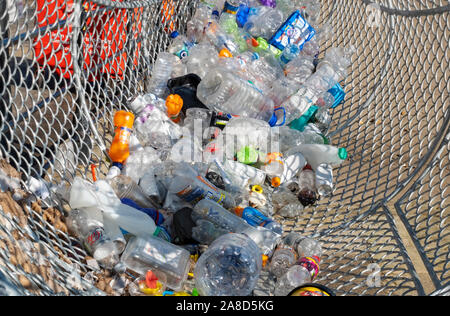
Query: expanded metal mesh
[67,66]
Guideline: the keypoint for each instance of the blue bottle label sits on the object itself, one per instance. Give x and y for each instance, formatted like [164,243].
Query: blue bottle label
[296,30]
[254,217]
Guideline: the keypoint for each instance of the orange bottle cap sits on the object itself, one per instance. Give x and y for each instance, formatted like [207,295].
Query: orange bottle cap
[225,53]
[174,104]
[265,259]
[239,211]
[276,182]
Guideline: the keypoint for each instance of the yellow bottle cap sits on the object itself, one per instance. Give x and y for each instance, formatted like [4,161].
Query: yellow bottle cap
[257,189]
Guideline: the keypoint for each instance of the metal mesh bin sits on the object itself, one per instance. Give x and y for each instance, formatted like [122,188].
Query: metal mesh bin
[67,66]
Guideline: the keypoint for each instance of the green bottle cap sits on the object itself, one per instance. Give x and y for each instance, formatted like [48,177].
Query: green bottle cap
[343,154]
[194,292]
[300,123]
[247,155]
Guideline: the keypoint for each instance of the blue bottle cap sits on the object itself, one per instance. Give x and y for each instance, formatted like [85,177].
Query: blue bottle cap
[118,165]
[174,34]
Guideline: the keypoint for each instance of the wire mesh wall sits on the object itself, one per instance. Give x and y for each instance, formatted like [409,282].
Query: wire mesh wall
[67,66]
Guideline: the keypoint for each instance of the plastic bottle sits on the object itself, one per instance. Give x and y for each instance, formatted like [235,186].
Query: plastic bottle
[329,72]
[293,278]
[255,218]
[90,229]
[293,164]
[149,186]
[203,57]
[150,253]
[162,71]
[206,232]
[126,188]
[266,239]
[216,214]
[307,184]
[310,253]
[226,92]
[324,180]
[299,69]
[244,174]
[317,154]
[283,258]
[139,162]
[286,203]
[230,267]
[174,104]
[274,168]
[120,148]
[180,45]
[265,23]
[84,195]
[193,188]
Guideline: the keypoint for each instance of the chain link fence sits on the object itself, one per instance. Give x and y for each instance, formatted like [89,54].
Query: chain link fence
[67,66]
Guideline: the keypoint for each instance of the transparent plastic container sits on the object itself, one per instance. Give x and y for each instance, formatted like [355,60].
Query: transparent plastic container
[150,253]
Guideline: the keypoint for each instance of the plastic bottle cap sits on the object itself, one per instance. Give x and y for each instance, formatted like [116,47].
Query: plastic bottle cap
[239,211]
[343,154]
[174,104]
[276,182]
[174,34]
[255,43]
[247,155]
[225,53]
[257,189]
[265,259]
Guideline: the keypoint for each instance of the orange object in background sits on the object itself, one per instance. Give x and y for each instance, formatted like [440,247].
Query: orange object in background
[105,35]
[174,104]
[167,14]
[53,47]
[120,147]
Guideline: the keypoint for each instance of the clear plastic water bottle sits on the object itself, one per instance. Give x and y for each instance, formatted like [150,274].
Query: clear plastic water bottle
[293,278]
[192,188]
[255,218]
[309,247]
[140,161]
[180,45]
[286,203]
[203,57]
[89,227]
[299,69]
[230,267]
[329,72]
[213,212]
[226,92]
[324,180]
[265,23]
[150,253]
[283,258]
[162,72]
[126,188]
[206,232]
[307,184]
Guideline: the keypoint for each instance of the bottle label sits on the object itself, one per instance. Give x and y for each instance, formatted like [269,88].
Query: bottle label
[228,8]
[195,194]
[311,264]
[254,217]
[94,238]
[295,30]
[124,135]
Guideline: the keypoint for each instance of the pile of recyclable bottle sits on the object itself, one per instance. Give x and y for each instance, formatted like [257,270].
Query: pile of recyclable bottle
[230,137]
